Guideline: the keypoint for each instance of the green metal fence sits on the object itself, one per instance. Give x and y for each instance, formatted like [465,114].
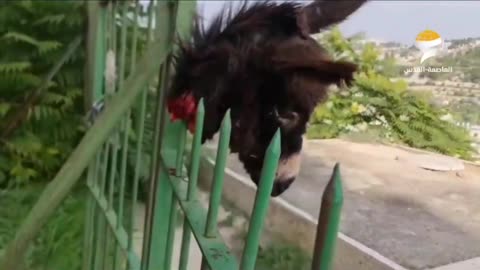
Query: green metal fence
[119,100]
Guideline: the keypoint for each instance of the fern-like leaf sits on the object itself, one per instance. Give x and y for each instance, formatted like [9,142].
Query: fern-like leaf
[47,46]
[50,19]
[16,67]
[16,36]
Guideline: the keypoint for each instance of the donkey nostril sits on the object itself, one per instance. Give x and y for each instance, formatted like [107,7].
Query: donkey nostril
[281,185]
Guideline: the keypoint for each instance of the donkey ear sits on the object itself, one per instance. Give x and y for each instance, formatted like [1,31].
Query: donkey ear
[324,13]
[305,57]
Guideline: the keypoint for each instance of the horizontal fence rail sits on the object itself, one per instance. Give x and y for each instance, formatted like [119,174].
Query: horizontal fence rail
[122,85]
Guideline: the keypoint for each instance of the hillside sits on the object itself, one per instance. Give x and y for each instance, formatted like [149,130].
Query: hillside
[457,87]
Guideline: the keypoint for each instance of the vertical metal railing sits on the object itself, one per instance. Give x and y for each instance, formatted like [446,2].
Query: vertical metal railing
[110,222]
[110,217]
[112,234]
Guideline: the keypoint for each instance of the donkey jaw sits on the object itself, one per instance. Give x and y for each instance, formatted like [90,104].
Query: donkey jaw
[288,169]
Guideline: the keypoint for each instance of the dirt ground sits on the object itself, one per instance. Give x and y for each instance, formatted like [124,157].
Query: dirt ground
[419,218]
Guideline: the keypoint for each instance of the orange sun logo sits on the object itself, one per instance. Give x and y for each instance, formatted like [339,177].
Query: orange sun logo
[428,42]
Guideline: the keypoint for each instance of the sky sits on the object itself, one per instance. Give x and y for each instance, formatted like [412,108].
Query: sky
[400,21]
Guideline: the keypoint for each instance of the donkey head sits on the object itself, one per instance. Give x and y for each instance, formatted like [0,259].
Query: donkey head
[261,64]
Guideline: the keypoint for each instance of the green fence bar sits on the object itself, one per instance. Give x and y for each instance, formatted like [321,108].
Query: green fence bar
[184,19]
[138,160]
[115,146]
[110,90]
[139,124]
[182,132]
[113,31]
[123,170]
[185,248]
[159,207]
[154,171]
[123,46]
[196,147]
[218,177]
[90,218]
[114,140]
[192,180]
[121,195]
[163,26]
[109,258]
[125,122]
[262,200]
[101,223]
[160,223]
[96,52]
[181,151]
[133,52]
[328,222]
[152,217]
[171,233]
[151,8]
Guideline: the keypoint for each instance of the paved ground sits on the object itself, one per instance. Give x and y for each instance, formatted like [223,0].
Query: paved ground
[419,218]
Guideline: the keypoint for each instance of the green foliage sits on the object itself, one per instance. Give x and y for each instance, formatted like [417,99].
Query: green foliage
[375,102]
[390,67]
[34,35]
[466,111]
[466,64]
[59,244]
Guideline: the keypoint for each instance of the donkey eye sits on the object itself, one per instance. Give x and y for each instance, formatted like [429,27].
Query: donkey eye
[290,115]
[288,119]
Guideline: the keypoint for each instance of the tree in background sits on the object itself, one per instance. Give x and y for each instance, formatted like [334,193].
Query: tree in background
[376,103]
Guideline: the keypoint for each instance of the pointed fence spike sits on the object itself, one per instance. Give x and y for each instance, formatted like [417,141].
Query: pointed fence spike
[328,222]
[262,201]
[226,122]
[274,148]
[218,176]
[196,147]
[201,106]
